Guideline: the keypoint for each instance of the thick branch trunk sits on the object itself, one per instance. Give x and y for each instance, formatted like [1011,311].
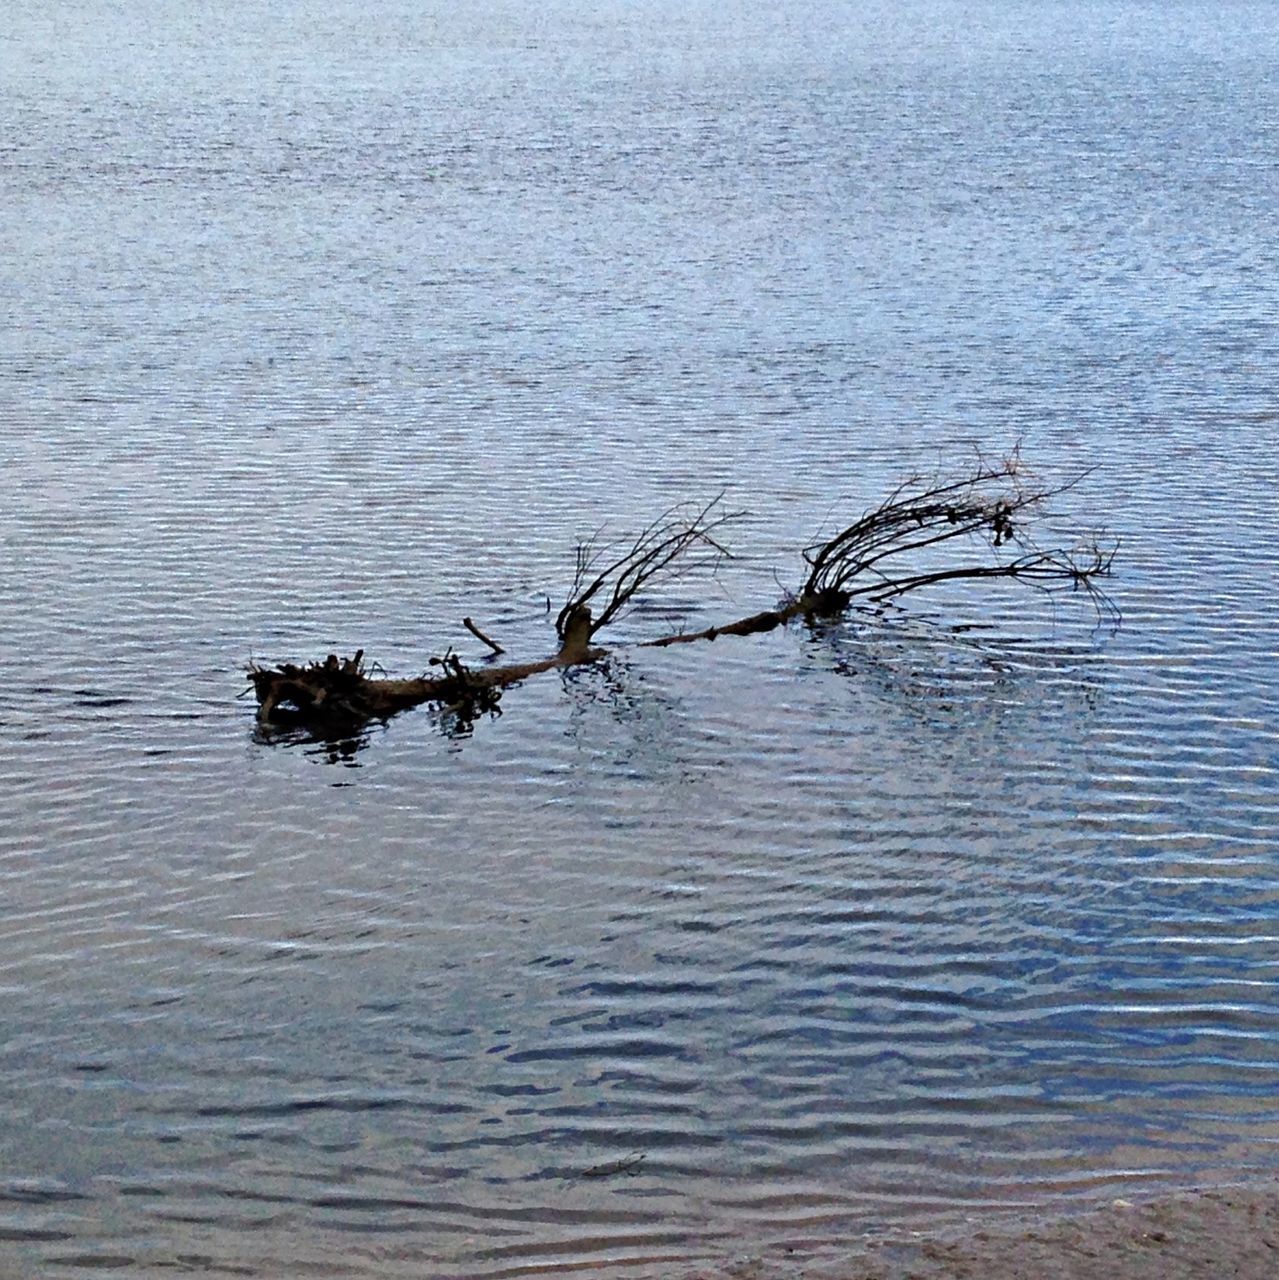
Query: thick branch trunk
[824,604]
[337,694]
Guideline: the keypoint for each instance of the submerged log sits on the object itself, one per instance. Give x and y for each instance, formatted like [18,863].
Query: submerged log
[335,693]
[338,695]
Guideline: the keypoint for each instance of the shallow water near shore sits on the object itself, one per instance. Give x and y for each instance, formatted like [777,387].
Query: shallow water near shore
[331,327]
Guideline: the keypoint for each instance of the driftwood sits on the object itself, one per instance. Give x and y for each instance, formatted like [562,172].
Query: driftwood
[928,531]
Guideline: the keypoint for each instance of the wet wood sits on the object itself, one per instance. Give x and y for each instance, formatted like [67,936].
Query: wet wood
[888,551]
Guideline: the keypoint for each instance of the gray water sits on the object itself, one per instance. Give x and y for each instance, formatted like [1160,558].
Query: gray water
[326,325]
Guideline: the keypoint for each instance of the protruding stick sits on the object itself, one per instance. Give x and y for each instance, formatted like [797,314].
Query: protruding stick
[479,635]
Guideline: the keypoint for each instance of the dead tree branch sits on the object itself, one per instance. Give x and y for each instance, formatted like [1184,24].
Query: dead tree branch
[974,526]
[479,635]
[680,541]
[929,531]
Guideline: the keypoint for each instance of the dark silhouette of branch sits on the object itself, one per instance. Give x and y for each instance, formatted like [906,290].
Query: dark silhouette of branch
[680,541]
[929,531]
[974,526]
[493,645]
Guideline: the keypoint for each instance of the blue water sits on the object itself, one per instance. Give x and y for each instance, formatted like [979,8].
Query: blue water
[326,326]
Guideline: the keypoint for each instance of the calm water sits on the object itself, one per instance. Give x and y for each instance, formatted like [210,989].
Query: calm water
[327,324]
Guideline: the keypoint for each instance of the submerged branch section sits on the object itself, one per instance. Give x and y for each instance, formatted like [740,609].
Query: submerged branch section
[928,531]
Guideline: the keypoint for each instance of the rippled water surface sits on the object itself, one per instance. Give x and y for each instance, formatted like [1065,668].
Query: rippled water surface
[326,325]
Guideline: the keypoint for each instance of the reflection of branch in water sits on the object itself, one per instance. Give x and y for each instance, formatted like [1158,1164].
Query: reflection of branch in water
[923,665]
[324,748]
[457,719]
[608,683]
[651,728]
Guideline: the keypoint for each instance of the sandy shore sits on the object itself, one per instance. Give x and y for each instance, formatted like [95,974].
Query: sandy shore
[1224,1233]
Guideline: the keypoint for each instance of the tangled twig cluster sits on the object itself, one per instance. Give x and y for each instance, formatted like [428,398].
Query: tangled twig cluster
[934,530]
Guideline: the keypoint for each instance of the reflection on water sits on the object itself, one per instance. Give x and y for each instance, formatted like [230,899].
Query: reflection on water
[335,328]
[925,666]
[323,748]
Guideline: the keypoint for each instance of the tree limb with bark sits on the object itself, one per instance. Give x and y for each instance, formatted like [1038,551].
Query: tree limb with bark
[974,525]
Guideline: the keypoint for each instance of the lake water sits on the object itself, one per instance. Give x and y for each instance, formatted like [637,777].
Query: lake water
[328,324]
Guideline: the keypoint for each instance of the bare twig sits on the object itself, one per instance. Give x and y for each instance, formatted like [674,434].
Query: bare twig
[682,539]
[627,1164]
[479,635]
